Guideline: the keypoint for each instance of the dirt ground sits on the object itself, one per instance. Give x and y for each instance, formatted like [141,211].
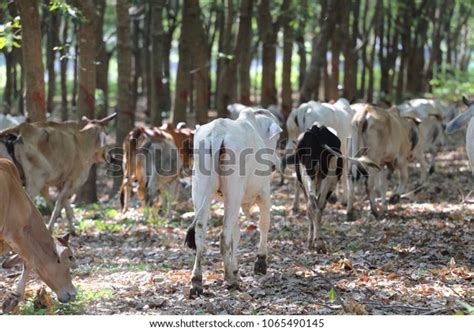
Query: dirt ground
[416,259]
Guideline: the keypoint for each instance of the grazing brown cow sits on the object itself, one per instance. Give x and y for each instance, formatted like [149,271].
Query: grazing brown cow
[22,230]
[56,154]
[183,139]
[389,141]
[151,160]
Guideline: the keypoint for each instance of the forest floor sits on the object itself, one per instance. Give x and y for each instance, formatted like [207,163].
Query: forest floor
[416,259]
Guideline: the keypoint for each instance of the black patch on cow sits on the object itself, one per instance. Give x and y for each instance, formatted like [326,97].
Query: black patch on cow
[413,138]
[10,140]
[434,134]
[312,154]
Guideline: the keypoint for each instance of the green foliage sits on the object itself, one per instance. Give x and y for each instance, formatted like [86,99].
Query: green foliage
[10,34]
[77,307]
[66,10]
[451,87]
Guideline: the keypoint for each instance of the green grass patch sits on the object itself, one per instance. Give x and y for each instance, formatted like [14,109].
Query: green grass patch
[84,299]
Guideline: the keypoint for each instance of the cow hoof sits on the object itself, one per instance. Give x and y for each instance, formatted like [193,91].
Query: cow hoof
[320,247]
[233,286]
[375,213]
[332,199]
[260,267]
[394,199]
[195,292]
[10,304]
[351,216]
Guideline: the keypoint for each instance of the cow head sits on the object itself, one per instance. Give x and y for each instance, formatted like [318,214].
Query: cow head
[269,130]
[97,137]
[462,119]
[55,270]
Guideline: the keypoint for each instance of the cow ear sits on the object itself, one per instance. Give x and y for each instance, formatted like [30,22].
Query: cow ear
[273,130]
[64,240]
[85,119]
[464,99]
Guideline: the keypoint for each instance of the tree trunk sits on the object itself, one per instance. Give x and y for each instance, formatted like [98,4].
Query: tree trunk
[245,57]
[200,71]
[310,88]
[125,107]
[102,60]
[226,21]
[136,62]
[86,39]
[336,44]
[63,68]
[350,55]
[75,74]
[183,77]
[286,89]
[34,97]
[168,38]
[157,89]
[52,42]
[8,91]
[300,41]
[268,30]
[228,75]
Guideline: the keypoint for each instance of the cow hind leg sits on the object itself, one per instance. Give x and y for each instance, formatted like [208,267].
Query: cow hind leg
[230,237]
[70,217]
[264,205]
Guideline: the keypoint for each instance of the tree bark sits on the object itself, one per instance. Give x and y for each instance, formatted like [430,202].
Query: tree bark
[157,46]
[228,75]
[63,68]
[350,55]
[245,57]
[52,42]
[87,44]
[34,96]
[286,88]
[125,107]
[312,80]
[268,30]
[102,60]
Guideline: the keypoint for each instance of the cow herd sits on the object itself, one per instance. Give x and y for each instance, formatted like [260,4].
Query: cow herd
[230,159]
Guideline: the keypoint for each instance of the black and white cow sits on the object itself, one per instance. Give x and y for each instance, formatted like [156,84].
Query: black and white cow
[319,165]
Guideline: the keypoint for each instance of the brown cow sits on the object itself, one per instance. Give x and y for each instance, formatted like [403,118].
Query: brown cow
[56,154]
[22,230]
[389,140]
[183,138]
[151,159]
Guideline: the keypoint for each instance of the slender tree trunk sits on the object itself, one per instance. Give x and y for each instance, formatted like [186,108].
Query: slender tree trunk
[268,30]
[312,80]
[63,68]
[336,44]
[52,42]
[34,96]
[86,39]
[102,60]
[136,62]
[245,56]
[157,89]
[200,69]
[75,73]
[147,83]
[286,89]
[300,41]
[125,107]
[183,78]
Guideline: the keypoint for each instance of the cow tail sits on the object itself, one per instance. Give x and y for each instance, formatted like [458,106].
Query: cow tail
[359,126]
[216,143]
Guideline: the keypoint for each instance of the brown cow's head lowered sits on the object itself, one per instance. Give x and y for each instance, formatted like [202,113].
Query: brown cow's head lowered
[55,270]
[96,136]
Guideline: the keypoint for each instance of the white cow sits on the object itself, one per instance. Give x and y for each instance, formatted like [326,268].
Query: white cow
[435,107]
[8,121]
[233,159]
[337,116]
[459,122]
[431,129]
[234,110]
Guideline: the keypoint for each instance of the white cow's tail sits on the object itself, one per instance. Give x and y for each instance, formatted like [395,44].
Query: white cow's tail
[216,143]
